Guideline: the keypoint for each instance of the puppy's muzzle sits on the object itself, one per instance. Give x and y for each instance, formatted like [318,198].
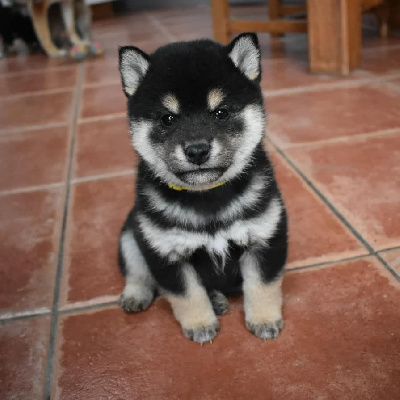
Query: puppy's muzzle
[198,153]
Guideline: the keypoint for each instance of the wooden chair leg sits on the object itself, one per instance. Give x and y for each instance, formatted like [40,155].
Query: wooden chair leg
[220,15]
[334,35]
[382,14]
[274,13]
[39,12]
[394,14]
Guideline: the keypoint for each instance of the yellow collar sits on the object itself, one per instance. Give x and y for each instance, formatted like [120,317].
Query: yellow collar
[180,188]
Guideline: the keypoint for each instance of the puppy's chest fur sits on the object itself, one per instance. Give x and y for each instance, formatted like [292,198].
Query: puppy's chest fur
[177,243]
[216,223]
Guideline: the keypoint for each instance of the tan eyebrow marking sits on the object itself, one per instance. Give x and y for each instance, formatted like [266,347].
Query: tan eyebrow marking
[215,98]
[171,103]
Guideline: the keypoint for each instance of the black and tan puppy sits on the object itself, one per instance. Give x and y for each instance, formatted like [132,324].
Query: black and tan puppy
[208,218]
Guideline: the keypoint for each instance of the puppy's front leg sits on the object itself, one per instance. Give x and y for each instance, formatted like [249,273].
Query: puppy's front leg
[262,300]
[193,309]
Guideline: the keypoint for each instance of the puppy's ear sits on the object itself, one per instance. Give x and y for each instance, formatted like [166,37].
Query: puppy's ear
[133,65]
[244,51]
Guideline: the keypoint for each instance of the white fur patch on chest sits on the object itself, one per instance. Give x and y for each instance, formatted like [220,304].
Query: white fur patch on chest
[175,243]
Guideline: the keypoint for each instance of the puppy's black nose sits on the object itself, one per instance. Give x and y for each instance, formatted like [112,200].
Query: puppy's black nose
[198,153]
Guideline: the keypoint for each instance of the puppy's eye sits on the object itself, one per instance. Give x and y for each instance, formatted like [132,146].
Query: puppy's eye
[168,119]
[221,113]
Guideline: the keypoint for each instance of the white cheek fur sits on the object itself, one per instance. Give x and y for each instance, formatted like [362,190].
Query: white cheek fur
[254,127]
[140,133]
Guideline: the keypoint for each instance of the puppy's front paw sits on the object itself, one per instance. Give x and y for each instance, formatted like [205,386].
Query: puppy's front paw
[134,299]
[202,334]
[266,330]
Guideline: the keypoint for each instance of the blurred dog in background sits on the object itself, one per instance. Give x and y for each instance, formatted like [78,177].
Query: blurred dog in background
[16,29]
[61,27]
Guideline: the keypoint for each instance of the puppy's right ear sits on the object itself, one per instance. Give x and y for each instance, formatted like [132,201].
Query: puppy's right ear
[133,65]
[244,51]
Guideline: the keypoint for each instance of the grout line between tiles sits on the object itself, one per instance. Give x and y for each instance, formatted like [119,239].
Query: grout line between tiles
[102,117]
[107,82]
[383,78]
[13,318]
[38,71]
[390,85]
[389,248]
[36,93]
[103,176]
[29,189]
[54,311]
[32,128]
[10,316]
[88,308]
[320,87]
[333,209]
[327,263]
[387,47]
[340,139]
[160,27]
[387,266]
[109,298]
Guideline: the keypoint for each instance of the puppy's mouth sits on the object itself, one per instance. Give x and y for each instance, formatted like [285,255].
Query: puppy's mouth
[200,176]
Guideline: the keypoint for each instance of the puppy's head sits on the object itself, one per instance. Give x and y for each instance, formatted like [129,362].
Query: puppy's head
[195,108]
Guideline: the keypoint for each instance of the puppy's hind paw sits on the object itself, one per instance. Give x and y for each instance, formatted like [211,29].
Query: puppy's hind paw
[202,334]
[266,330]
[133,302]
[219,302]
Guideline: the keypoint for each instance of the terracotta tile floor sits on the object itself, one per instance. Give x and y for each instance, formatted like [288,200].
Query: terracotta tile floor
[67,182]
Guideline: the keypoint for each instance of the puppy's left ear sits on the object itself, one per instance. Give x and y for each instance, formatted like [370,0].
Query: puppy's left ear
[244,51]
[133,65]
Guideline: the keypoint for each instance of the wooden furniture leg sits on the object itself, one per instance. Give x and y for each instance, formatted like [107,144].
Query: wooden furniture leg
[220,15]
[274,13]
[381,10]
[394,14]
[39,12]
[382,13]
[334,35]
